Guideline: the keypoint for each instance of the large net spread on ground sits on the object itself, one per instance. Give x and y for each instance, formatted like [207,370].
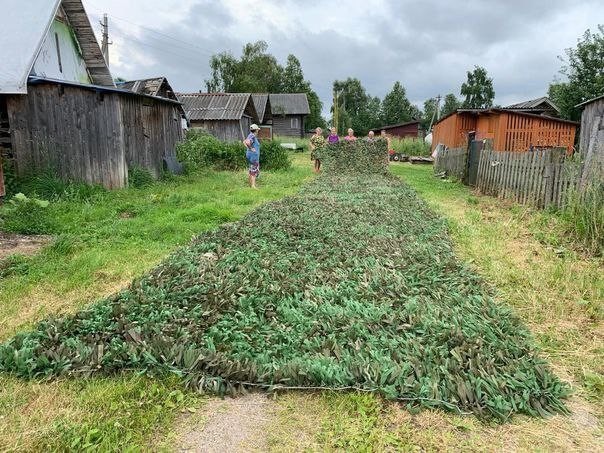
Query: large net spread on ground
[351,283]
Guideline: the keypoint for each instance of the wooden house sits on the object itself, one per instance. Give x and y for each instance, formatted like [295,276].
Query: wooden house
[288,113]
[510,130]
[410,129]
[540,106]
[591,142]
[265,116]
[59,105]
[227,116]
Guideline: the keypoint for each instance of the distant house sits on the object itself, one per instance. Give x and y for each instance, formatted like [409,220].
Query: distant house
[59,107]
[539,106]
[265,116]
[288,113]
[409,129]
[510,130]
[227,116]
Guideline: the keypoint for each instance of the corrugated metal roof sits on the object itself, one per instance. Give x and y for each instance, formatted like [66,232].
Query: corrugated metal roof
[289,104]
[533,104]
[260,103]
[23,27]
[144,86]
[589,101]
[217,106]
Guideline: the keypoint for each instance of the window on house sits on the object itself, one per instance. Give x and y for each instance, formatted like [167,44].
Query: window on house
[58,53]
[295,123]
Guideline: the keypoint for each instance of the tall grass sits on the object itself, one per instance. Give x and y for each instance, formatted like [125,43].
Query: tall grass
[584,214]
[410,146]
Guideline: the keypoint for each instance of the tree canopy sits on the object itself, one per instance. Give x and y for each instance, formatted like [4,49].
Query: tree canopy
[396,108]
[257,71]
[583,71]
[478,89]
[357,109]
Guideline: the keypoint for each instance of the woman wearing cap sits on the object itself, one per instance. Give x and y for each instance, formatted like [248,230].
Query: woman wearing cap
[252,155]
[317,141]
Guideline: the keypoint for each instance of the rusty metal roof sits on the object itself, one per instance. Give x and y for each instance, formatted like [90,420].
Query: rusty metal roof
[218,106]
[289,104]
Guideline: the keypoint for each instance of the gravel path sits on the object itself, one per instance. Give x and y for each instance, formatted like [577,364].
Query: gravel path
[230,425]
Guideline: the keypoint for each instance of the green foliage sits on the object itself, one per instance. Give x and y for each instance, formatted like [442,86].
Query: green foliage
[396,108]
[410,146]
[450,105]
[357,109]
[25,215]
[201,150]
[139,177]
[49,186]
[378,301]
[12,265]
[584,215]
[583,74]
[478,89]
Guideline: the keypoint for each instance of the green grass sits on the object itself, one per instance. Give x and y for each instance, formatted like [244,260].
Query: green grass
[104,243]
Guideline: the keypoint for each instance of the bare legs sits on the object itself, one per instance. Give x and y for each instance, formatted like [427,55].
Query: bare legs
[317,165]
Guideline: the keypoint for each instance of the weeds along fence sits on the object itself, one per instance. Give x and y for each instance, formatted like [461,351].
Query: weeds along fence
[543,178]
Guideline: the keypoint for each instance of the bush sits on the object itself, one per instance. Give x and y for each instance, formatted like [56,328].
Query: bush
[27,216]
[410,146]
[201,150]
[139,177]
[273,156]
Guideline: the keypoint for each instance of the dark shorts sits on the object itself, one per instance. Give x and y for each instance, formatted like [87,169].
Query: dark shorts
[254,168]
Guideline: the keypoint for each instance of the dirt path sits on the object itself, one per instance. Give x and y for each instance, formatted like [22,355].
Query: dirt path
[229,425]
[16,244]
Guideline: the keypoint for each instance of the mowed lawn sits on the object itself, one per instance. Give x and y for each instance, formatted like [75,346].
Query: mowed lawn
[105,243]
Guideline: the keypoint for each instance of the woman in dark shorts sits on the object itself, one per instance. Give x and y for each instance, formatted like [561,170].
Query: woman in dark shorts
[252,155]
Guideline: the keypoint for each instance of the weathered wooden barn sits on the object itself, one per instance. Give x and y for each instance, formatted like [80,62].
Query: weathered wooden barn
[262,105]
[510,130]
[227,116]
[60,107]
[591,143]
[288,113]
[410,129]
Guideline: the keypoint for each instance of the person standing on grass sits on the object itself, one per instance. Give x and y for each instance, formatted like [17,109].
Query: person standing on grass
[350,137]
[317,141]
[252,155]
[333,136]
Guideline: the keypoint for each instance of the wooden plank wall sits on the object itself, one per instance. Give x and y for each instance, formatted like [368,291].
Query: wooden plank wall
[282,126]
[591,145]
[541,178]
[74,132]
[452,162]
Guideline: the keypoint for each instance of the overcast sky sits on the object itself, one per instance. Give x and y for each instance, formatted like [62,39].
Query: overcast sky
[428,45]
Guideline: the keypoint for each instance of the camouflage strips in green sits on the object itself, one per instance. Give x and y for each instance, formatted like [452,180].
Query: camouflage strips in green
[353,282]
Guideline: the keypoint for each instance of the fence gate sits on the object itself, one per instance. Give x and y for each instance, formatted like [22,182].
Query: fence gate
[476,147]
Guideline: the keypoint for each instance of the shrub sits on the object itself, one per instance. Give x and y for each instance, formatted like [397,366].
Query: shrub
[410,146]
[273,156]
[139,177]
[27,216]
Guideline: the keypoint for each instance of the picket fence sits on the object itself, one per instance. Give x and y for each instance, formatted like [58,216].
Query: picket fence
[541,178]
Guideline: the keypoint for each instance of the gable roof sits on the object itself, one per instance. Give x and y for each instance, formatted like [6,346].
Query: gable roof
[217,106]
[289,104]
[24,26]
[589,101]
[262,105]
[391,126]
[151,87]
[534,104]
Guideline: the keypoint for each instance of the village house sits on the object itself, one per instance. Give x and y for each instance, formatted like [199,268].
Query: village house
[288,114]
[409,129]
[265,116]
[227,116]
[60,109]
[509,129]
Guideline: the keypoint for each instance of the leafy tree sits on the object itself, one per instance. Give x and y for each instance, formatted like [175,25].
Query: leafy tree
[428,113]
[450,105]
[257,71]
[396,108]
[356,108]
[583,70]
[478,89]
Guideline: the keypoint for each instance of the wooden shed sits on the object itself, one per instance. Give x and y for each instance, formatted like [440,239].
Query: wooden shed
[409,129]
[227,116]
[60,109]
[510,130]
[591,143]
[265,116]
[289,111]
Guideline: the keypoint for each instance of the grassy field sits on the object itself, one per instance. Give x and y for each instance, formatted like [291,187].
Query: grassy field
[105,243]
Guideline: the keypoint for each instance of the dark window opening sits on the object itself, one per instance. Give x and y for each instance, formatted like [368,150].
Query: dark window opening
[59,53]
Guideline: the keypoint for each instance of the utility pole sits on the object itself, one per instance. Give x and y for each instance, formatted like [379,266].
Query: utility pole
[436,113]
[105,40]
[336,114]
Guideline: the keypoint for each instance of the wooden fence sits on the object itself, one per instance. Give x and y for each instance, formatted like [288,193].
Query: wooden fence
[452,162]
[541,178]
